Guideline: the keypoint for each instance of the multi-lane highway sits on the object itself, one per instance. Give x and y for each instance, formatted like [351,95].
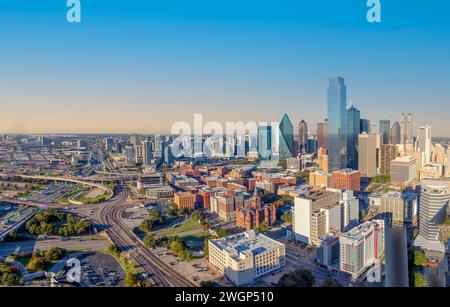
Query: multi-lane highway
[160,274]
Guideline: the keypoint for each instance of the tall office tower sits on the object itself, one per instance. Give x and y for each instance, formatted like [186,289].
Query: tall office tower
[424,145]
[409,139]
[374,128]
[388,153]
[447,164]
[337,124]
[322,134]
[364,125]
[134,139]
[109,143]
[367,156]
[129,155]
[353,127]
[286,138]
[360,246]
[396,133]
[168,156]
[302,137]
[265,141]
[385,131]
[434,200]
[438,155]
[146,152]
[349,210]
[138,153]
[402,129]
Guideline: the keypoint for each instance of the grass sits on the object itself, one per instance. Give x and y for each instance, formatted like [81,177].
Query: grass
[197,236]
[124,260]
[188,225]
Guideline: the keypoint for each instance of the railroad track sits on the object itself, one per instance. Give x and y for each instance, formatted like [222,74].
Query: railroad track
[160,274]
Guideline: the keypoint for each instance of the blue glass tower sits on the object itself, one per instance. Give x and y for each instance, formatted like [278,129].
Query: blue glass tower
[286,145]
[353,127]
[337,124]
[265,142]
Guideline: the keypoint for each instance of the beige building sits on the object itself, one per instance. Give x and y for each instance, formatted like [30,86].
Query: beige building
[438,155]
[399,208]
[403,170]
[319,179]
[431,171]
[246,256]
[367,156]
[388,153]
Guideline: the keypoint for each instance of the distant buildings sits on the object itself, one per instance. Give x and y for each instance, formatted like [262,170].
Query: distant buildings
[388,153]
[364,126]
[361,247]
[346,179]
[424,145]
[294,163]
[385,131]
[322,157]
[286,138]
[146,152]
[337,124]
[246,256]
[322,134]
[109,144]
[302,137]
[353,127]
[226,204]
[396,133]
[265,142]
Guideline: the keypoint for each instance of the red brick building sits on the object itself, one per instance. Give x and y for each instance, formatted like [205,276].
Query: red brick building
[257,213]
[346,179]
[185,200]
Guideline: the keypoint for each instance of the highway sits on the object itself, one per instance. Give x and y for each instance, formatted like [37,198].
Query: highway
[160,274]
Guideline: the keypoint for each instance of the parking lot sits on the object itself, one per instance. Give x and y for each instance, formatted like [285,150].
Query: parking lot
[101,270]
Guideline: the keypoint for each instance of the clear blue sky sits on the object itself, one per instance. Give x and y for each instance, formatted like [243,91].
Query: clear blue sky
[142,65]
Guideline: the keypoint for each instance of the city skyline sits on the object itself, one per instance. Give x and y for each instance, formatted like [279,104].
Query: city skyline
[175,60]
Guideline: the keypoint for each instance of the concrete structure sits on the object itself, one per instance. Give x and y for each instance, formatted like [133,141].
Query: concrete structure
[361,247]
[409,139]
[322,135]
[327,252]
[431,171]
[226,204]
[396,133]
[349,210]
[319,179]
[367,156]
[302,137]
[322,157]
[424,145]
[184,200]
[346,179]
[294,163]
[246,256]
[403,170]
[398,208]
[388,153]
[385,131]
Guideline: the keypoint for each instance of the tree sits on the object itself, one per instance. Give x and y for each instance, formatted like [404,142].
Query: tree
[114,249]
[363,214]
[419,280]
[150,241]
[419,257]
[37,263]
[207,284]
[55,254]
[222,232]
[286,217]
[300,278]
[329,283]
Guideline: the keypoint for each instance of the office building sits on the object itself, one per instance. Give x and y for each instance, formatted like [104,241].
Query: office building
[447,164]
[367,156]
[322,158]
[146,152]
[322,135]
[361,246]
[434,202]
[286,138]
[294,163]
[226,204]
[424,145]
[327,251]
[409,138]
[184,200]
[349,210]
[388,153]
[256,213]
[364,125]
[314,214]
[246,256]
[402,129]
[438,154]
[399,208]
[385,131]
[109,144]
[312,145]
[302,137]
[337,124]
[265,142]
[319,179]
[403,170]
[396,133]
[346,179]
[353,127]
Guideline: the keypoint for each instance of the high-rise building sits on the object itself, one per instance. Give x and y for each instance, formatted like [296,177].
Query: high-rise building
[396,133]
[364,125]
[349,210]
[109,143]
[385,131]
[265,142]
[438,154]
[353,127]
[403,170]
[129,155]
[367,156]
[361,246]
[447,164]
[138,154]
[146,152]
[409,138]
[402,129]
[315,213]
[398,208]
[312,145]
[434,200]
[134,139]
[374,128]
[424,145]
[337,124]
[302,137]
[322,157]
[286,138]
[388,153]
[168,155]
[322,134]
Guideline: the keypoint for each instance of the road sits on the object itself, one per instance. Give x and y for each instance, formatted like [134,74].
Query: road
[160,274]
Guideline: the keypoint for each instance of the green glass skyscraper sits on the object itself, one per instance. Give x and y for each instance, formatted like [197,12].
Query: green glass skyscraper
[286,141]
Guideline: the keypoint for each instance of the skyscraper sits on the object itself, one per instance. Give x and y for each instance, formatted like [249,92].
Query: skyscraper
[353,127]
[396,133]
[322,134]
[337,124]
[146,152]
[265,142]
[286,138]
[409,129]
[364,125]
[402,129]
[424,145]
[385,131]
[434,199]
[367,156]
[302,137]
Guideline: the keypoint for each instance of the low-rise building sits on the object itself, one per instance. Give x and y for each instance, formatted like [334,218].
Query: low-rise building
[246,256]
[184,200]
[319,179]
[346,179]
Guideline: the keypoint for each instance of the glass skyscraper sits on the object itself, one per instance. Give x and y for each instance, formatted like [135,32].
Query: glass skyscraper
[286,141]
[385,131]
[337,124]
[353,127]
[265,142]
